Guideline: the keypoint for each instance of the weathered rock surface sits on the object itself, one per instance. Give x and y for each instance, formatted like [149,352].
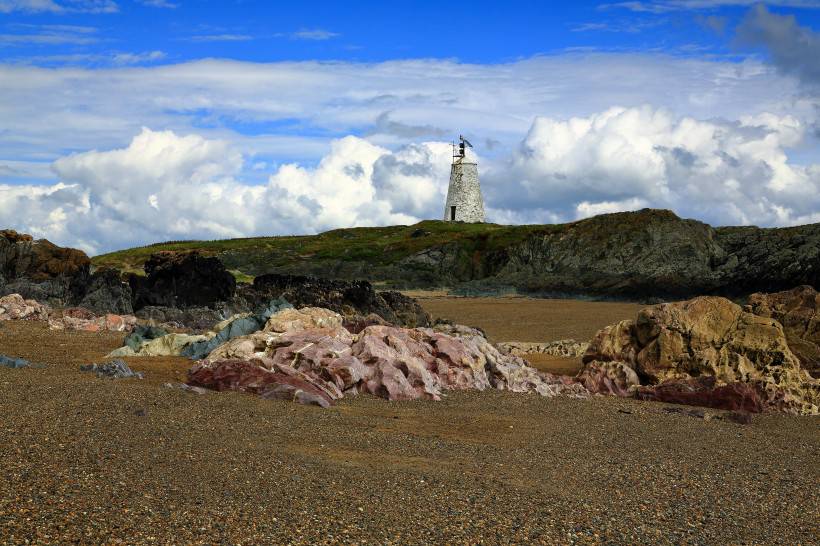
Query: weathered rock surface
[14,307]
[394,363]
[705,391]
[42,271]
[77,318]
[116,369]
[612,378]
[569,348]
[182,279]
[195,318]
[168,345]
[643,254]
[709,337]
[354,299]
[798,311]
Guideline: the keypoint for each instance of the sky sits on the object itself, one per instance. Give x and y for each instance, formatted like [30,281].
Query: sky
[127,122]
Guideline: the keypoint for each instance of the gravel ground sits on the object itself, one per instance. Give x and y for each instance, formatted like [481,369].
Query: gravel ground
[91,460]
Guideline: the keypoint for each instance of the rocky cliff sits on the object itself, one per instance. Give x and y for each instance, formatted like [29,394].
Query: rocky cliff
[638,255]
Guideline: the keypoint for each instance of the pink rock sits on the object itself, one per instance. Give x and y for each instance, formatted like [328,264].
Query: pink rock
[611,378]
[257,377]
[14,307]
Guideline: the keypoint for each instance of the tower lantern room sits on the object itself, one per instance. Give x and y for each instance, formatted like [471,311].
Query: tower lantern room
[464,201]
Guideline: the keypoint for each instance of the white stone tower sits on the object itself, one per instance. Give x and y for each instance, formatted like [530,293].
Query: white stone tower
[464,201]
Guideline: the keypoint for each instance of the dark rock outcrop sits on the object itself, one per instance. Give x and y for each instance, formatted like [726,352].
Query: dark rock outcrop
[352,299]
[182,279]
[43,271]
[646,254]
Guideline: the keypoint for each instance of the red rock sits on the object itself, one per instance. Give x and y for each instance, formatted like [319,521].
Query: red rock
[257,377]
[704,391]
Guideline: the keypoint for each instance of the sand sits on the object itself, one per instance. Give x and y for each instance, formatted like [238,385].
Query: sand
[88,460]
[530,319]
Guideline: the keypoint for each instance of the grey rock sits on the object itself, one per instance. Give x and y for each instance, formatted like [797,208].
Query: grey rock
[116,369]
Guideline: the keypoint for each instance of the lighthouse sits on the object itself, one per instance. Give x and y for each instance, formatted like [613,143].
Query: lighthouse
[464,202]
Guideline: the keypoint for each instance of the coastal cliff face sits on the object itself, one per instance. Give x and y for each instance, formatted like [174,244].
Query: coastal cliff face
[637,255]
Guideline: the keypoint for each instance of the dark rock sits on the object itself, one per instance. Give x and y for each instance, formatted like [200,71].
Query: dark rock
[350,299]
[195,318]
[182,279]
[106,292]
[116,369]
[42,271]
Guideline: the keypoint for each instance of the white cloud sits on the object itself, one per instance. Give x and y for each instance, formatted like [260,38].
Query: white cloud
[165,186]
[220,38]
[66,6]
[269,149]
[159,4]
[313,34]
[626,158]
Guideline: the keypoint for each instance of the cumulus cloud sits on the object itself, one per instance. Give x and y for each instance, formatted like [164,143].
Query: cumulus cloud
[722,172]
[167,186]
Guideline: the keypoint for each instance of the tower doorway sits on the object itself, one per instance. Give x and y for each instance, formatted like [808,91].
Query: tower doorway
[452,214]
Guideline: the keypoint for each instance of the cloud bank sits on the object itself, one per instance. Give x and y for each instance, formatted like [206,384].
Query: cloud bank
[168,186]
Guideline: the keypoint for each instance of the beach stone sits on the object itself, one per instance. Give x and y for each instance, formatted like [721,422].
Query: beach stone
[168,345]
[116,369]
[709,337]
[14,307]
[704,391]
[569,348]
[302,319]
[14,363]
[261,377]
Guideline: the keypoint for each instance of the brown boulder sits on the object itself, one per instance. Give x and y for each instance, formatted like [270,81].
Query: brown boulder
[798,311]
[714,338]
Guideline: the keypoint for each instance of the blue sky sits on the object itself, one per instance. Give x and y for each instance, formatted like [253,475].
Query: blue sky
[473,32]
[124,122]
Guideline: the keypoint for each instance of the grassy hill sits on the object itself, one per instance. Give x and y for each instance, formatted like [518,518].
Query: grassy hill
[379,246]
[642,254]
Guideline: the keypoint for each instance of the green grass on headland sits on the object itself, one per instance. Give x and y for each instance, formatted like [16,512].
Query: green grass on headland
[376,245]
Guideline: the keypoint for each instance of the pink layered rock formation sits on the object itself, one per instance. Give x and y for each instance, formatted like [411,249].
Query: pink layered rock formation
[390,362]
[14,307]
[259,376]
[798,311]
[707,337]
